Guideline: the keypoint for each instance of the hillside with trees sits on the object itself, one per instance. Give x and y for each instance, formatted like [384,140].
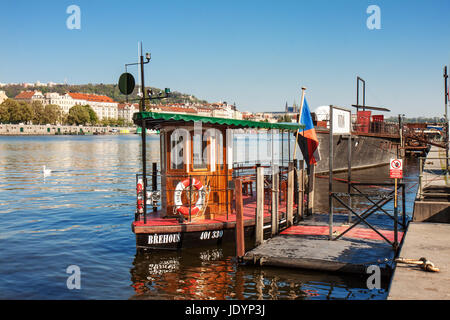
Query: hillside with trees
[110,90]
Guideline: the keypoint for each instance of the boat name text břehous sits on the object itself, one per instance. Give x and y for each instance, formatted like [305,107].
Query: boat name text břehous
[163,238]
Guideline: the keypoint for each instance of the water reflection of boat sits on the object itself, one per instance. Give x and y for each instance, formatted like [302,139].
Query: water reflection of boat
[194,206]
[211,274]
[193,273]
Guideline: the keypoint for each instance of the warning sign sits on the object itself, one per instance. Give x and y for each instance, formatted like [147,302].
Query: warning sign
[396,169]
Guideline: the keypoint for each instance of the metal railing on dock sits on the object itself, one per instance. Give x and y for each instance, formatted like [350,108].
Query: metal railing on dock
[433,178]
[378,200]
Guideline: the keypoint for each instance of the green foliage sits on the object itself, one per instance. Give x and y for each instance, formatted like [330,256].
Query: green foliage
[78,115]
[39,112]
[5,108]
[120,122]
[285,118]
[93,119]
[12,111]
[52,114]
[26,113]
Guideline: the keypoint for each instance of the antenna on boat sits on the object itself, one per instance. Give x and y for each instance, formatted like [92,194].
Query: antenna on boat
[139,94]
[359,79]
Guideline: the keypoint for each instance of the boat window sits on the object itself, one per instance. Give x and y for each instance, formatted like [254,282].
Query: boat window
[199,144]
[178,148]
[214,151]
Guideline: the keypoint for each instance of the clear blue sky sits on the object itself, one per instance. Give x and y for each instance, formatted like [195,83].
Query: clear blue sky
[255,53]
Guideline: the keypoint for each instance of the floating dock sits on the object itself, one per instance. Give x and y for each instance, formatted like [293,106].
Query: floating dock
[307,246]
[410,282]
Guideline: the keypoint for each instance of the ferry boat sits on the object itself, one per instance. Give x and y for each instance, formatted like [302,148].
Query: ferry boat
[188,200]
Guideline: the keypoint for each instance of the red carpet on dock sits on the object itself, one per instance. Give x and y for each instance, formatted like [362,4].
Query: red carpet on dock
[355,233]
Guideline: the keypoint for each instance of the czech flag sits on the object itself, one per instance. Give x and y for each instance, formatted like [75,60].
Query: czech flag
[307,138]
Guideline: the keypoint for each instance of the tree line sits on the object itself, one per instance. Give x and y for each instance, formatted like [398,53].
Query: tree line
[12,111]
[109,90]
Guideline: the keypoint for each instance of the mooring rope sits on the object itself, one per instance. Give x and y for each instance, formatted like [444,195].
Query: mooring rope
[424,263]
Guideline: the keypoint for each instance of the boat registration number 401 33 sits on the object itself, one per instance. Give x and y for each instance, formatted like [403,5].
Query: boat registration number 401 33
[205,235]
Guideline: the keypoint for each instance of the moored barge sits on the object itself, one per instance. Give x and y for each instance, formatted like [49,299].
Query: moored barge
[191,198]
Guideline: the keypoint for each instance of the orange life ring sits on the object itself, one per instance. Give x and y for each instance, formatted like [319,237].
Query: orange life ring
[184,210]
[139,190]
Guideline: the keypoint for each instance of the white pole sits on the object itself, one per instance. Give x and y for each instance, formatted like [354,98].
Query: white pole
[298,121]
[139,67]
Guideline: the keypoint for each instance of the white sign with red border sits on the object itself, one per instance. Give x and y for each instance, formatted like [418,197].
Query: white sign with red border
[396,169]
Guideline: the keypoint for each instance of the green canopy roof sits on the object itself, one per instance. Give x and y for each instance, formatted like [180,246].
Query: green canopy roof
[153,119]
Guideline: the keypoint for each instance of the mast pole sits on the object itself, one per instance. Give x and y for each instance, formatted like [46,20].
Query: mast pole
[298,120]
[143,136]
[446,116]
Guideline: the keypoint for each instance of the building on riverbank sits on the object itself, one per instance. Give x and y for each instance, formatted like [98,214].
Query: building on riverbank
[3,96]
[30,96]
[103,106]
[126,110]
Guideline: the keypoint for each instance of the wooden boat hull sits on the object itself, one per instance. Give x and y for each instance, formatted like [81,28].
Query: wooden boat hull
[156,234]
[179,240]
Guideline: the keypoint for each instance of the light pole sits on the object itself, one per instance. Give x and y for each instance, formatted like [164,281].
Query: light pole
[446,117]
[151,96]
[358,79]
[400,130]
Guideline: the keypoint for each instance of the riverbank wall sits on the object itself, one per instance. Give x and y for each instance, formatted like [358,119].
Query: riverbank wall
[31,129]
[433,195]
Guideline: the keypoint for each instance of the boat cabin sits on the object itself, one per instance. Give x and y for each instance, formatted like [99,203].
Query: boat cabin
[196,169]
[196,161]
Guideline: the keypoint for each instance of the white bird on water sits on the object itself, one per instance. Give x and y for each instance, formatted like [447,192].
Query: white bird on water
[46,171]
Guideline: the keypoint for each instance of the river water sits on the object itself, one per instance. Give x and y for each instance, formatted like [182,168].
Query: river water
[81,215]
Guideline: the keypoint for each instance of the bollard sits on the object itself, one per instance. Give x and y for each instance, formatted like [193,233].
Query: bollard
[240,244]
[259,223]
[301,189]
[311,183]
[154,182]
[275,198]
[290,195]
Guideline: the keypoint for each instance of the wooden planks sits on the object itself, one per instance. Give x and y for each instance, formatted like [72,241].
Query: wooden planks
[259,231]
[240,244]
[290,195]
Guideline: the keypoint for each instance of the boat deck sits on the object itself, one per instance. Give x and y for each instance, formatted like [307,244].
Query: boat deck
[306,246]
[157,224]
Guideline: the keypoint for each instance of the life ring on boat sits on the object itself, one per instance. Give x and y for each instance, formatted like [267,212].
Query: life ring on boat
[139,193]
[184,210]
[139,187]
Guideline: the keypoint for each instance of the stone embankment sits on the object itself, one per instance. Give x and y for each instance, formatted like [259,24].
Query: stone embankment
[30,129]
